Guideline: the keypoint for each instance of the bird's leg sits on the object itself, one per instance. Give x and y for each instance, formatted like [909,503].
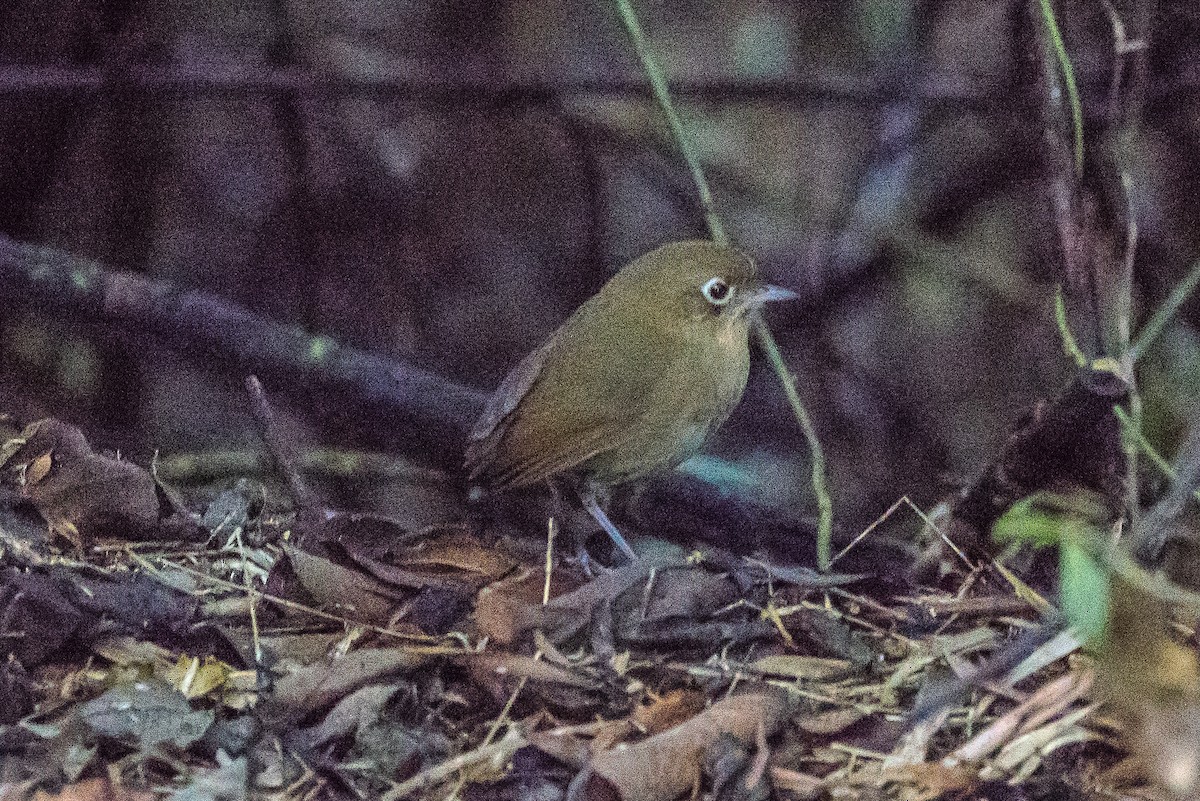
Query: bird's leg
[559,511]
[587,494]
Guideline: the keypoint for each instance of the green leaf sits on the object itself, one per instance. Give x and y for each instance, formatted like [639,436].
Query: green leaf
[1084,587]
[1047,518]
[1025,522]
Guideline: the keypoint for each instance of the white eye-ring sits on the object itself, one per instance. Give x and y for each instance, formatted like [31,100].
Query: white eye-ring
[717,292]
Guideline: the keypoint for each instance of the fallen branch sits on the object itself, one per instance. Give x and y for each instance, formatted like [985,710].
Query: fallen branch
[439,412]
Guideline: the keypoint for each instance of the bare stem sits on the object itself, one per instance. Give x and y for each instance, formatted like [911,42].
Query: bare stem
[1068,75]
[717,231]
[1155,325]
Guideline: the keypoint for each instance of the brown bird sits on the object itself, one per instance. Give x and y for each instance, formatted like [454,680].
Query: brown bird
[635,381]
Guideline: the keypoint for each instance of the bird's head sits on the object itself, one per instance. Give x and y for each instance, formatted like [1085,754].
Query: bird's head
[698,280]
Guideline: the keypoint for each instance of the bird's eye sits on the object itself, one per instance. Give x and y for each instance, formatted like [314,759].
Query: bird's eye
[716,292]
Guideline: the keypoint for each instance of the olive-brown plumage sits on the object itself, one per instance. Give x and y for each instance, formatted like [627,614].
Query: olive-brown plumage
[634,381]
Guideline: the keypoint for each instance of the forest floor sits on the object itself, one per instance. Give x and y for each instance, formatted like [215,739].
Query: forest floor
[230,651]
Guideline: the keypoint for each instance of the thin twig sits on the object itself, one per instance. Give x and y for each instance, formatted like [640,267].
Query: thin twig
[439,773]
[551,536]
[1124,303]
[1155,325]
[248,582]
[944,89]
[663,95]
[866,531]
[1068,75]
[717,231]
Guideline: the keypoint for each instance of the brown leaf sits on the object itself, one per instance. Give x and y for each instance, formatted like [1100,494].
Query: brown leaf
[499,672]
[796,785]
[608,734]
[566,614]
[666,764]
[357,710]
[83,495]
[830,722]
[100,789]
[319,686]
[669,710]
[342,590]
[460,556]
[926,781]
[507,609]
[568,748]
[687,592]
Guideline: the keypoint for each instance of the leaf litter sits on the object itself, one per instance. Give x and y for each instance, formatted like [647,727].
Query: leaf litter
[159,647]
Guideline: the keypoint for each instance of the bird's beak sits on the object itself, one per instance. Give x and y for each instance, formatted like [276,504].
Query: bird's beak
[767,293]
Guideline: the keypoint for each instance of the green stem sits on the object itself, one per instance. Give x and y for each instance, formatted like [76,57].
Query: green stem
[1070,346]
[817,453]
[1068,75]
[1154,456]
[1151,330]
[1124,304]
[663,95]
[1130,424]
[717,231]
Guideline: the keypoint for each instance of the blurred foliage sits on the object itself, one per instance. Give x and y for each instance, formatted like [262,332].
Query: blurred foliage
[1072,524]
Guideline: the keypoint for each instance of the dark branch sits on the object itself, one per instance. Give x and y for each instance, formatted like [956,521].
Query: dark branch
[238,341]
[935,88]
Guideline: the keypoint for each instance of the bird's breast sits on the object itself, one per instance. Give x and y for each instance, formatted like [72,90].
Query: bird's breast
[696,384]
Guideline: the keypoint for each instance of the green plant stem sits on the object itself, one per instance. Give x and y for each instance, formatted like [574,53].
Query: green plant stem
[1068,75]
[717,231]
[1144,444]
[1130,425]
[1070,346]
[1155,325]
[817,453]
[663,95]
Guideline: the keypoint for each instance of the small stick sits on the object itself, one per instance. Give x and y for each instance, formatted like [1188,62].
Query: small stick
[282,453]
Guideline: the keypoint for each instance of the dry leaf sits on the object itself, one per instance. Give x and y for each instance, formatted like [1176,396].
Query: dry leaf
[100,789]
[665,765]
[796,666]
[459,556]
[500,671]
[83,495]
[1154,686]
[342,590]
[669,710]
[319,686]
[509,608]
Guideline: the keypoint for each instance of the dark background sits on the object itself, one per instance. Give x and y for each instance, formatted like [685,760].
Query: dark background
[444,182]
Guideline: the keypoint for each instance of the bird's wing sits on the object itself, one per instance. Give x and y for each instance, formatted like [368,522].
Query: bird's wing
[544,418]
[492,423]
[506,397]
[522,470]
[515,450]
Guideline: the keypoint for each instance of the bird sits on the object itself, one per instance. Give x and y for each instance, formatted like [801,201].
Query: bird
[634,382]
